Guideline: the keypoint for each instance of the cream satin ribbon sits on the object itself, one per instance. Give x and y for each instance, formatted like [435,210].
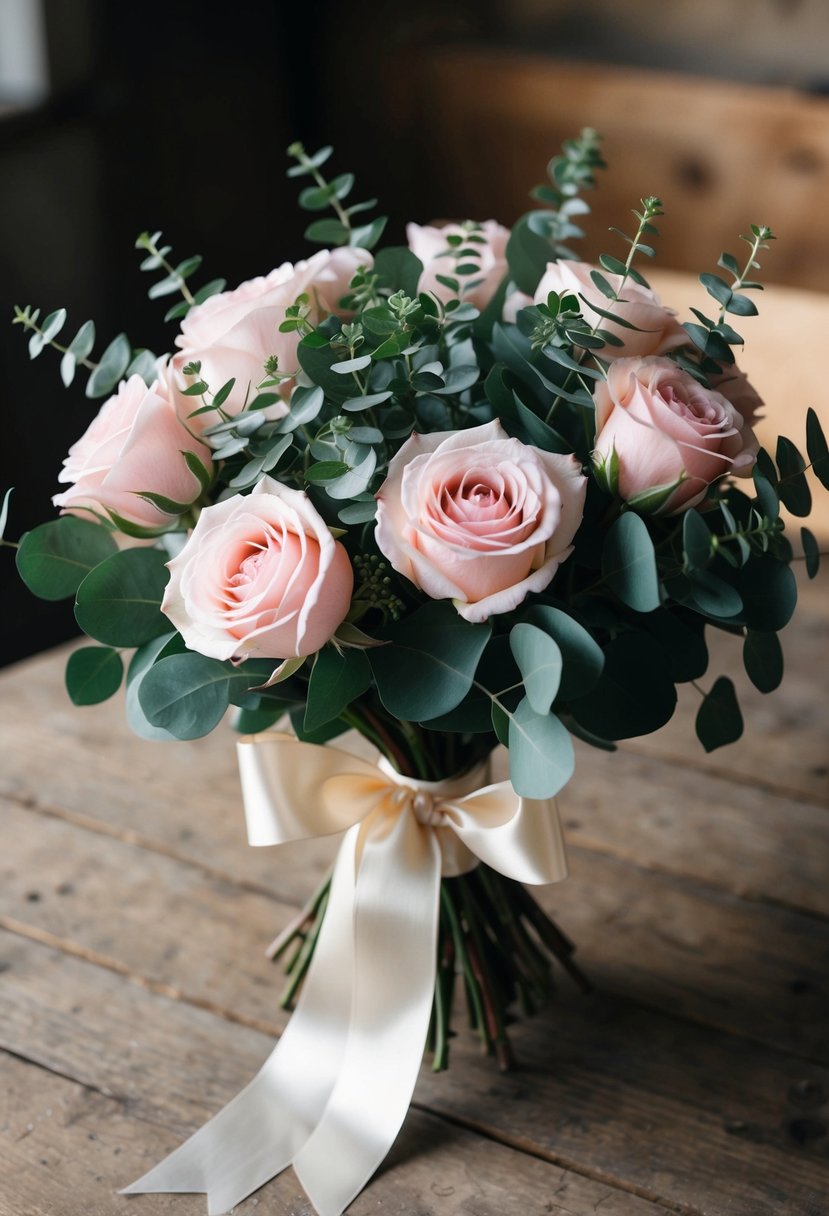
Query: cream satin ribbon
[331,1097]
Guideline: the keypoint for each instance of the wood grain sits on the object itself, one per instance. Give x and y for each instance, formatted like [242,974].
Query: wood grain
[703,1121]
[652,938]
[67,1149]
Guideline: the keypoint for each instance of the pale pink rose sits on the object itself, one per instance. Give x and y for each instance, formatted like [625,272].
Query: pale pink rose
[135,444]
[668,431]
[478,518]
[736,388]
[657,329]
[431,246]
[260,575]
[232,334]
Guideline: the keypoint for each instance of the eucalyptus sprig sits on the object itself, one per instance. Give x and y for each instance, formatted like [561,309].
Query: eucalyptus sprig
[539,237]
[175,277]
[715,337]
[117,361]
[325,194]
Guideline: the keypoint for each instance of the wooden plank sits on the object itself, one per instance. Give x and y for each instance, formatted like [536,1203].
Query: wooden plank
[496,116]
[666,1110]
[185,800]
[752,970]
[65,1148]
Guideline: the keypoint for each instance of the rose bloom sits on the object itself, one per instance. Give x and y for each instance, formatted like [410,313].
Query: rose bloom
[657,329]
[430,245]
[668,431]
[260,575]
[134,444]
[478,518]
[232,334]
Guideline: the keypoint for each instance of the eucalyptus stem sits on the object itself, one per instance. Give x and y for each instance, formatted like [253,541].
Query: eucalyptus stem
[21,317]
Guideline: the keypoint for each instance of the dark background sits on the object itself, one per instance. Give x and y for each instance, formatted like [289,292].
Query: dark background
[176,116]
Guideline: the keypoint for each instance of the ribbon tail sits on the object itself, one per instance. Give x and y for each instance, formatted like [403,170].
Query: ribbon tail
[395,945]
[259,1132]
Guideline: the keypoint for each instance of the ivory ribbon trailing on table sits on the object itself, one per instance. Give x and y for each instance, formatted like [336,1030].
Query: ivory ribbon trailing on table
[331,1097]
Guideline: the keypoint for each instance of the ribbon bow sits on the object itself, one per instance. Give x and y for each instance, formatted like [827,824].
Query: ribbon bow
[331,1097]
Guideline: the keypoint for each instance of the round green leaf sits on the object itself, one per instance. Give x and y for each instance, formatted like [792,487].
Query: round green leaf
[763,660]
[140,664]
[430,662]
[629,563]
[696,540]
[541,756]
[539,661]
[55,558]
[185,694]
[337,678]
[719,720]
[93,674]
[635,695]
[118,602]
[583,657]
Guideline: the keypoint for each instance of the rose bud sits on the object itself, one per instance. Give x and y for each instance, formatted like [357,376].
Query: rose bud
[661,438]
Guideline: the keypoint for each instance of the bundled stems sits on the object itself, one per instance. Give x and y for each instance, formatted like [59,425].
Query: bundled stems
[491,932]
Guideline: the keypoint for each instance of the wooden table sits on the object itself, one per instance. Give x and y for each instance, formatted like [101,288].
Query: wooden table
[136,999]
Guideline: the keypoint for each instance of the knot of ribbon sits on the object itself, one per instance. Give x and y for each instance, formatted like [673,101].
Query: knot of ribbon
[331,1097]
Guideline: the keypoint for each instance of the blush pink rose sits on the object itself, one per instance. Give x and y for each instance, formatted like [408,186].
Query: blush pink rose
[135,444]
[478,518]
[657,329]
[260,575]
[431,246]
[232,334]
[668,431]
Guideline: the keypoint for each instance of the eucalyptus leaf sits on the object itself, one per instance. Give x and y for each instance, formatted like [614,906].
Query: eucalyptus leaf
[111,367]
[635,694]
[119,601]
[541,756]
[629,563]
[430,662]
[540,663]
[763,659]
[54,558]
[582,656]
[337,679]
[719,720]
[93,674]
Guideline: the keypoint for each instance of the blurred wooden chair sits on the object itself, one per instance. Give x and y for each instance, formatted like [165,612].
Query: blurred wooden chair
[719,155]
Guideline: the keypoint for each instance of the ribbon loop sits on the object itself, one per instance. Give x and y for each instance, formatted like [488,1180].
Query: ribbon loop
[332,1095]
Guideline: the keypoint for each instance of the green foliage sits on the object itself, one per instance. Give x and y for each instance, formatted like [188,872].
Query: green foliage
[635,693]
[55,558]
[338,677]
[540,663]
[541,756]
[714,338]
[93,674]
[323,194]
[174,280]
[540,237]
[629,563]
[429,664]
[763,659]
[719,720]
[118,602]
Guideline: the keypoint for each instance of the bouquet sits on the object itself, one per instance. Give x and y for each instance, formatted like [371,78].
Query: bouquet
[462,493]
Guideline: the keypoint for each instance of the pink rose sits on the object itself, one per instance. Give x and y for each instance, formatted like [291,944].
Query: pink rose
[232,334]
[135,444]
[260,575]
[667,431]
[479,518]
[736,388]
[437,255]
[657,329]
